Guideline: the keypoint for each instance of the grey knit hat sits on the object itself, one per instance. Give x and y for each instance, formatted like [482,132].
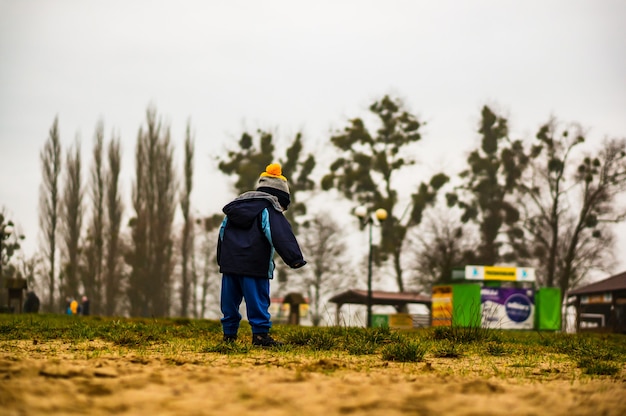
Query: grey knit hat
[274,183]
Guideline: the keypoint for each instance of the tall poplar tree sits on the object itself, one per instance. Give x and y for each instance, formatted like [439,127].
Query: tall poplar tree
[189,282]
[114,211]
[154,200]
[94,245]
[72,219]
[50,158]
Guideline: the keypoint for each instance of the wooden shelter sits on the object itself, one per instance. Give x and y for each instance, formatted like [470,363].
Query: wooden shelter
[396,299]
[16,287]
[294,300]
[601,306]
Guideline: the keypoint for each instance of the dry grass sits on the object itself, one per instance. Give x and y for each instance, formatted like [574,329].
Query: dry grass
[60,365]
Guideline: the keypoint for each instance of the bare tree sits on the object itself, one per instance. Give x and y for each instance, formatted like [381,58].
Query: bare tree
[326,254]
[72,217]
[437,247]
[209,288]
[602,179]
[544,195]
[28,268]
[593,252]
[187,243]
[568,201]
[50,158]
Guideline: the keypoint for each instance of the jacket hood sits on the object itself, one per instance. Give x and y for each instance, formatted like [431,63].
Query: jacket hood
[243,210]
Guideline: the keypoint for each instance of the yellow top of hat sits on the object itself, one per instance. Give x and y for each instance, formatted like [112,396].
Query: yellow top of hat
[274,170]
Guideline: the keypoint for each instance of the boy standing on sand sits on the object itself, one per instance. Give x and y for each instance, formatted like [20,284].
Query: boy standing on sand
[252,231]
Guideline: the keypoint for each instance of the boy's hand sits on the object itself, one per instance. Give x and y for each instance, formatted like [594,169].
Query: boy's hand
[298,265]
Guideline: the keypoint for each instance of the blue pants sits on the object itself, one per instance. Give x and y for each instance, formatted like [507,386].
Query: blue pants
[256,292]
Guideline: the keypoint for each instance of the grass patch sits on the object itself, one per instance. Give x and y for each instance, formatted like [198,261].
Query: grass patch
[495,348]
[227,348]
[598,368]
[448,349]
[404,351]
[462,334]
[594,355]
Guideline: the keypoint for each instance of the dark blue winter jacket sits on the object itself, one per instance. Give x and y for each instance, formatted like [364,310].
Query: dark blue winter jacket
[253,229]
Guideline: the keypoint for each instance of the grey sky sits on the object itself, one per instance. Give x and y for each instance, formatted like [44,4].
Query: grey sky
[294,65]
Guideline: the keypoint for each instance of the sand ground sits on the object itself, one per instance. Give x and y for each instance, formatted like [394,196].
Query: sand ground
[91,379]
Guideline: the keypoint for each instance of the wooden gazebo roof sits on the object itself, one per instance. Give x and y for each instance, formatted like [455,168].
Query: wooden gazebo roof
[359,297]
[611,284]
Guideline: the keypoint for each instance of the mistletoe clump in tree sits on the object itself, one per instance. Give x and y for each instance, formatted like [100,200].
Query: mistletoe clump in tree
[250,158]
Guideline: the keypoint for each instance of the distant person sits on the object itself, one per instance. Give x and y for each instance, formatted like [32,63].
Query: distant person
[31,304]
[68,303]
[253,229]
[84,306]
[73,307]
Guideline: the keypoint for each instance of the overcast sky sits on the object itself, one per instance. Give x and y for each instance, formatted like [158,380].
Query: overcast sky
[289,66]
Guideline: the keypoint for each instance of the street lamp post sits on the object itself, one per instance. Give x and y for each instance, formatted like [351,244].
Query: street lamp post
[368,219]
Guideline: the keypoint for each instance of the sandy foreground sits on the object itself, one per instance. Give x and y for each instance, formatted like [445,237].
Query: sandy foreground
[91,379]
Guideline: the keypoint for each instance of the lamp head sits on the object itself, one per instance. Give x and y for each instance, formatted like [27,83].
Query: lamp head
[361,211]
[381,214]
[7,229]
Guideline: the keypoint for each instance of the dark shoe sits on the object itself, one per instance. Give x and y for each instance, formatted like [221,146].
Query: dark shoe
[230,338]
[265,340]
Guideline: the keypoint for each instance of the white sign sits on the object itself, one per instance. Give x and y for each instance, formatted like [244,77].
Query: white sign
[516,274]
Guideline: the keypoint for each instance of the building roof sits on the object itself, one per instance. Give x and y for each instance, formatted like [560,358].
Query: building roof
[380,298]
[294,298]
[611,284]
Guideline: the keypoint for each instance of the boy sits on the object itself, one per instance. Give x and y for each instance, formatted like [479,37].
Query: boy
[253,229]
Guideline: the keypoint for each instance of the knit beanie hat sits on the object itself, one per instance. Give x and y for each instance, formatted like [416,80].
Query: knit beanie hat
[274,183]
